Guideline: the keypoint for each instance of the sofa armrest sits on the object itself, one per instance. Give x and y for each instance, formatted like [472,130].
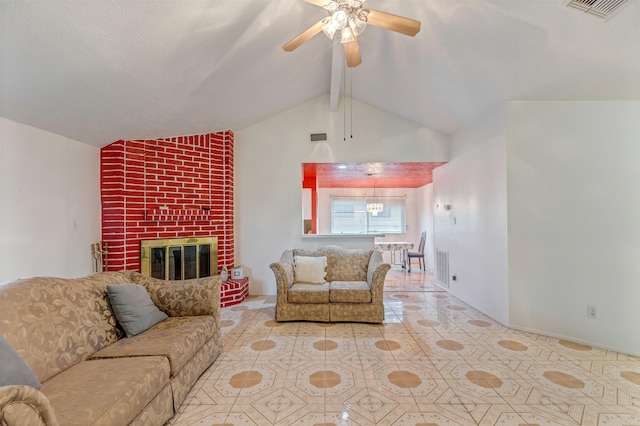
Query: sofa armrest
[376,274]
[24,405]
[199,296]
[283,270]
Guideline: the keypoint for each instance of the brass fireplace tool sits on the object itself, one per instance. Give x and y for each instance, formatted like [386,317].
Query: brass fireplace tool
[100,255]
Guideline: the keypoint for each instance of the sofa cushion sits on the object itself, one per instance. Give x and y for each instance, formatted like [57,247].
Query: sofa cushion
[134,308]
[177,338]
[308,293]
[346,264]
[350,292]
[13,370]
[310,269]
[106,391]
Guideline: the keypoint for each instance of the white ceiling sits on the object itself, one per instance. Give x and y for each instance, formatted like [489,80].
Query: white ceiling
[97,71]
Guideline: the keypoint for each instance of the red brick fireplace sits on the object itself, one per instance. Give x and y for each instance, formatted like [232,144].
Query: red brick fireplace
[167,188]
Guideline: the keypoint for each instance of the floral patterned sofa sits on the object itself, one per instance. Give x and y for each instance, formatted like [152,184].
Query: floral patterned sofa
[91,374]
[351,291]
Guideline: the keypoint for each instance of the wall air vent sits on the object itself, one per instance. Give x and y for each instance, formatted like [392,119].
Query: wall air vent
[317,137]
[599,9]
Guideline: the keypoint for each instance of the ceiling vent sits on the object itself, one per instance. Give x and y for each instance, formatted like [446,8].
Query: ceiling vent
[317,137]
[599,9]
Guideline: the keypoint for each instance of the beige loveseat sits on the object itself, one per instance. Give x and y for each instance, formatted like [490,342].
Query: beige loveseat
[352,291]
[67,334]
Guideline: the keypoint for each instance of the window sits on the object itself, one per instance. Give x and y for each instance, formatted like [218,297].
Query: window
[349,216]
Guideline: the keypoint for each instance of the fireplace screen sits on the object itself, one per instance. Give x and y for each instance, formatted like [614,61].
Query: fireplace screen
[179,258]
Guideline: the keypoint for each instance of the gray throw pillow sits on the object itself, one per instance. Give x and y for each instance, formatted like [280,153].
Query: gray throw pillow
[134,308]
[13,370]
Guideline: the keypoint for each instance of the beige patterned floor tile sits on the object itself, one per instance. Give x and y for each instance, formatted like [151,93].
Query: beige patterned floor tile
[265,350]
[374,386]
[403,414]
[394,329]
[321,417]
[509,418]
[506,369]
[513,346]
[470,393]
[564,349]
[328,379]
[367,330]
[567,379]
[366,363]
[328,347]
[215,392]
[291,362]
[451,346]
[445,414]
[366,347]
[245,415]
[549,414]
[397,347]
[312,329]
[275,404]
[244,380]
[202,415]
[611,416]
[403,381]
[493,414]
[343,329]
[624,374]
[369,404]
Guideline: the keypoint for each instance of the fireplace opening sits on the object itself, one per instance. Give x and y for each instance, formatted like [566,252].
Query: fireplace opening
[179,258]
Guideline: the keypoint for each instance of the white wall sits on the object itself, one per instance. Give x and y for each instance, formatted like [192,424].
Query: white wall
[49,203]
[574,220]
[474,183]
[268,177]
[425,223]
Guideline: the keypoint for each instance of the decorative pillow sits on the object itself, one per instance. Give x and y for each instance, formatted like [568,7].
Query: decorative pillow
[13,370]
[134,308]
[310,269]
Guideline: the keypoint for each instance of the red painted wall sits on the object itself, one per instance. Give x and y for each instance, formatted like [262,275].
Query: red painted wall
[311,183]
[187,174]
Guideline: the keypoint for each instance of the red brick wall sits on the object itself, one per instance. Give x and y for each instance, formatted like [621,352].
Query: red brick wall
[187,174]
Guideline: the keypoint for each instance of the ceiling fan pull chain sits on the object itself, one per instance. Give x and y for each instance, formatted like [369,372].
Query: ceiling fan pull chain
[351,98]
[344,102]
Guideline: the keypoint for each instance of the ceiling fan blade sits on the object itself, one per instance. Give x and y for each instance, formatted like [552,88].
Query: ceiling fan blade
[352,53]
[396,23]
[306,35]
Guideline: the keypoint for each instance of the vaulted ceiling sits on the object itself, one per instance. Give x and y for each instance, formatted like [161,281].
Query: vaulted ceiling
[97,71]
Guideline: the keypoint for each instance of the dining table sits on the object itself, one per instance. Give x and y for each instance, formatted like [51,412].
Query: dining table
[394,247]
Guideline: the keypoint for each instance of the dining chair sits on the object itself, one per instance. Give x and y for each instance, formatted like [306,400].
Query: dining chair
[418,254]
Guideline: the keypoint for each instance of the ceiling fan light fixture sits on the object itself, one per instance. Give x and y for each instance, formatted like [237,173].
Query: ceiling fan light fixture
[332,6]
[328,28]
[347,35]
[357,25]
[339,19]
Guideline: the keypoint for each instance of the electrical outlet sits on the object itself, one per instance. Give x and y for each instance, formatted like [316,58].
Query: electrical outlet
[592,312]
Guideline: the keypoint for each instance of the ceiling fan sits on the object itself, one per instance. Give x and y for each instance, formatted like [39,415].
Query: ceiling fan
[350,18]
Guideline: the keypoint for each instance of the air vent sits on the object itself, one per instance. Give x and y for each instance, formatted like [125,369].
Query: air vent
[442,267]
[600,9]
[317,137]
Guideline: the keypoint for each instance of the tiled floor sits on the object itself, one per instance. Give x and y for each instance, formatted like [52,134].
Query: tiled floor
[435,361]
